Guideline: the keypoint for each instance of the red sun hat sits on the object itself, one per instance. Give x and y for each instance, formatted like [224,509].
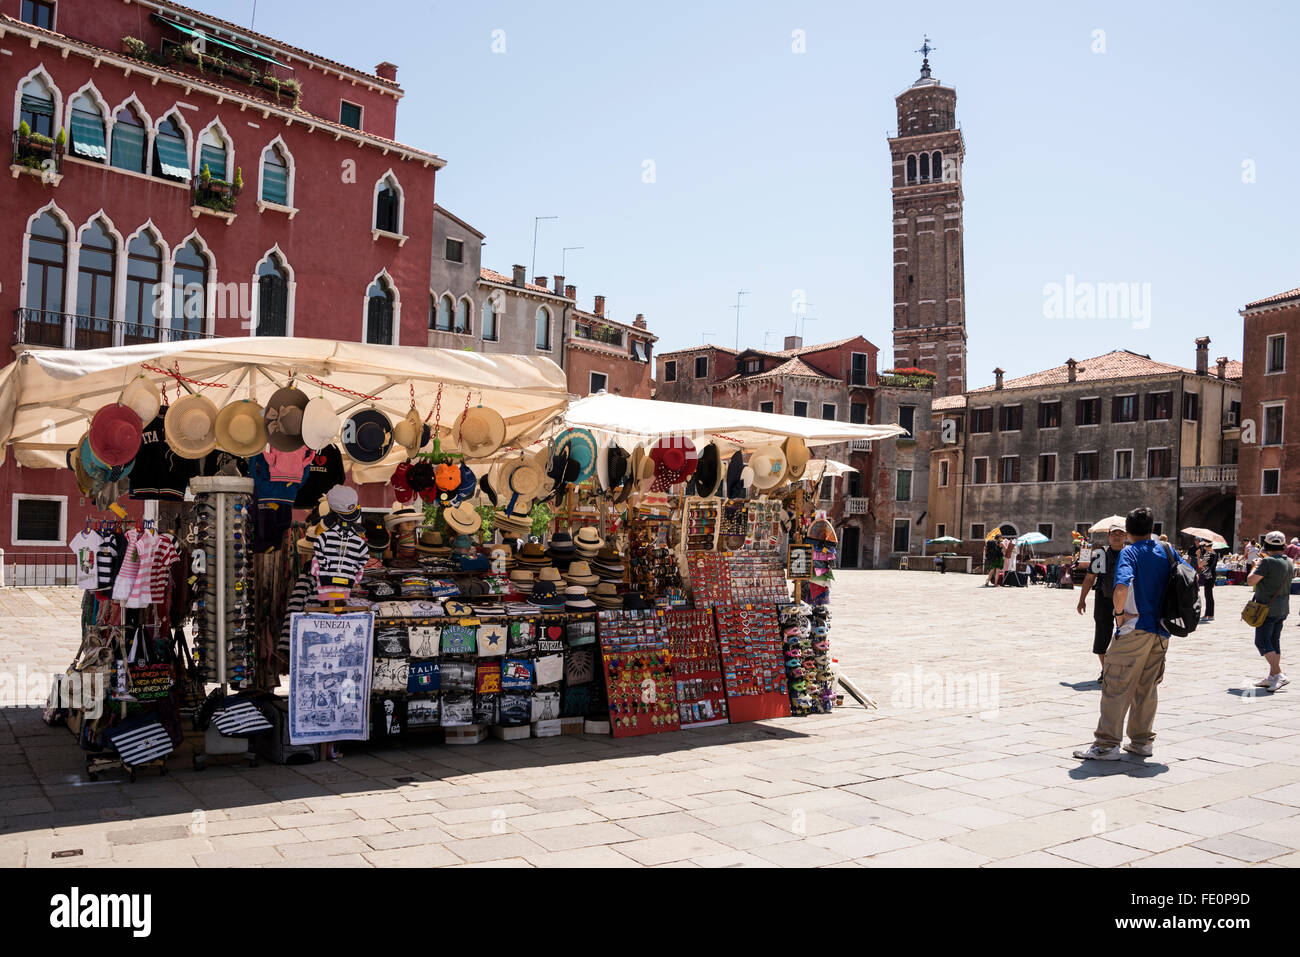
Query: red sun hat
[115,434]
[675,459]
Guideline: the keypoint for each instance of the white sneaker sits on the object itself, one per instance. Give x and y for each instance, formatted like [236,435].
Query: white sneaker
[1095,753]
[1279,682]
[1142,750]
[1264,682]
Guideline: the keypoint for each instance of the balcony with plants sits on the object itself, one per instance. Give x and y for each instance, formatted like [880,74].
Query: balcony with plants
[217,197]
[219,68]
[908,378]
[38,155]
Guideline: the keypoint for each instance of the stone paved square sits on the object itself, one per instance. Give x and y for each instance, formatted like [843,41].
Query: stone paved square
[982,695]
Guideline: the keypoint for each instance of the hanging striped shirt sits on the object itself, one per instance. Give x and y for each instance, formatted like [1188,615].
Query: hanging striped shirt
[341,554]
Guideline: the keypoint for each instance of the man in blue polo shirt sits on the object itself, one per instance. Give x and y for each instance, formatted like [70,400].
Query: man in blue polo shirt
[1135,658]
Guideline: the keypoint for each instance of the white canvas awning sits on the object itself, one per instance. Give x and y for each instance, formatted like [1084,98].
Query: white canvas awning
[632,422]
[819,469]
[47,397]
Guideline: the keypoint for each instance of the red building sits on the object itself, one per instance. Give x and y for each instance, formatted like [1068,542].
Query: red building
[1268,481]
[174,175]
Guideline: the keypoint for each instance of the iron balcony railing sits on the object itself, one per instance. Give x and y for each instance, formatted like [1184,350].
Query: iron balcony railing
[61,330]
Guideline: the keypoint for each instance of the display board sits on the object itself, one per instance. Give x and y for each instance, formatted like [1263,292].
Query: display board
[697,672]
[719,578]
[753,669]
[638,669]
[329,674]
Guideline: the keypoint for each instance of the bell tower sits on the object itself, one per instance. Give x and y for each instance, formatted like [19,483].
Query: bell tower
[929,264]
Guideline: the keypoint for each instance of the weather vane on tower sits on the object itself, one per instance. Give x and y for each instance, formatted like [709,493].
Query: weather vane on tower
[925,52]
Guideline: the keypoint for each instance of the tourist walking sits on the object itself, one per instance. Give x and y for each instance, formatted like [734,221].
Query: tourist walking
[1135,658]
[1272,581]
[1207,564]
[1101,576]
[993,559]
[1010,554]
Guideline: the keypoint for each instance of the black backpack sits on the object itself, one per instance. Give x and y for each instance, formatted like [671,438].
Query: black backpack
[1180,604]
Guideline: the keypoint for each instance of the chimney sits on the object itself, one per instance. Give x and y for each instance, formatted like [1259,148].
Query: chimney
[1222,363]
[1071,367]
[387,71]
[639,321]
[520,276]
[1203,355]
[558,287]
[793,342]
[999,373]
[539,281]
[599,308]
[571,292]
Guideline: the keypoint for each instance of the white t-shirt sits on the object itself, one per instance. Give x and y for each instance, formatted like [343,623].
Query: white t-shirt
[84,545]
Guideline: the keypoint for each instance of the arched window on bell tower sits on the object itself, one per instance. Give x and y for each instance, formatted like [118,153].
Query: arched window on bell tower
[925,167]
[936,164]
[911,169]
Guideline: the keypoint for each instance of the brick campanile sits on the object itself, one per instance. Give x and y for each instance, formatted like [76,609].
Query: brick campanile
[929,265]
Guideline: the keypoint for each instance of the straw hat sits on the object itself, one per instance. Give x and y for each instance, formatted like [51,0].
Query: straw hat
[431,543]
[521,576]
[769,465]
[191,426]
[408,432]
[519,480]
[642,471]
[84,482]
[463,518]
[401,516]
[320,423]
[142,398]
[576,598]
[479,432]
[367,436]
[588,541]
[241,430]
[533,555]
[796,456]
[115,434]
[580,573]
[284,419]
[606,595]
[549,574]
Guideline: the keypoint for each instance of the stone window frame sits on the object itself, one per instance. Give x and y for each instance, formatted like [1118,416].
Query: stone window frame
[1002,459]
[1264,408]
[1050,526]
[591,382]
[698,373]
[17,498]
[981,408]
[1160,448]
[944,470]
[898,474]
[1137,408]
[1115,465]
[1060,406]
[835,411]
[794,408]
[670,370]
[1080,452]
[1268,352]
[1056,466]
[1263,481]
[974,472]
[1087,425]
[978,530]
[906,524]
[771,403]
[1002,410]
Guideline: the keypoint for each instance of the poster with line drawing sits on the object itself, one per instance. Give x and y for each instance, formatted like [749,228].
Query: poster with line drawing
[329,677]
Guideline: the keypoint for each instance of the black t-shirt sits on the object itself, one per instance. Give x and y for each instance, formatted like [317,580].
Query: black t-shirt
[324,471]
[1103,565]
[160,473]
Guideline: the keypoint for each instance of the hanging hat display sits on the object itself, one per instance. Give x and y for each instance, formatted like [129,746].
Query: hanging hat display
[84,482]
[602,462]
[115,434]
[674,461]
[446,476]
[479,432]
[618,464]
[283,417]
[142,398]
[407,432]
[708,471]
[241,429]
[191,426]
[463,518]
[581,448]
[520,480]
[796,456]
[769,465]
[320,423]
[400,482]
[468,485]
[735,475]
[367,436]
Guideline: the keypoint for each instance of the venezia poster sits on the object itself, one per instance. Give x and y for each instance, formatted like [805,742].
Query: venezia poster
[329,677]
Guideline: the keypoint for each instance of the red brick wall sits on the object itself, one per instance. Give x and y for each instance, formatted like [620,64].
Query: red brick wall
[1261,513]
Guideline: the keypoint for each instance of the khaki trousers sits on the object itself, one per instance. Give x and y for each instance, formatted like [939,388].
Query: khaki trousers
[1135,664]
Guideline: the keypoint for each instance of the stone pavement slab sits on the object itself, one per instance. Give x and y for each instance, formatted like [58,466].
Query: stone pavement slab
[977,773]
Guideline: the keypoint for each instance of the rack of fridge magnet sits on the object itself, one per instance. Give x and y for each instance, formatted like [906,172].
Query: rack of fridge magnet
[524,576]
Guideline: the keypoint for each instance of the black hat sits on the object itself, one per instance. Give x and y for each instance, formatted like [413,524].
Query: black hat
[735,484]
[367,436]
[708,471]
[617,467]
[633,600]
[487,488]
[545,593]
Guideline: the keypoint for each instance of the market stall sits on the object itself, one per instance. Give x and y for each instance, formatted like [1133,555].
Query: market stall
[603,566]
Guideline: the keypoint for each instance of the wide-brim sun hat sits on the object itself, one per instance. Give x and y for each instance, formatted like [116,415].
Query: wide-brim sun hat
[618,463]
[403,515]
[368,436]
[549,574]
[602,462]
[581,448]
[115,434]
[580,573]
[141,397]
[191,426]
[320,423]
[407,433]
[84,481]
[241,429]
[588,540]
[463,518]
[769,465]
[479,432]
[797,456]
[708,471]
[283,416]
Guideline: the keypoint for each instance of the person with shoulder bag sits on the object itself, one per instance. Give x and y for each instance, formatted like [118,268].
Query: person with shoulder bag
[1266,613]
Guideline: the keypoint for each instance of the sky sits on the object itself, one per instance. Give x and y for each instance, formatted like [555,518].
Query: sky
[693,151]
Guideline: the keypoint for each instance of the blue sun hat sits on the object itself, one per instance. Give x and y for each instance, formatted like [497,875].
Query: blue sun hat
[581,446]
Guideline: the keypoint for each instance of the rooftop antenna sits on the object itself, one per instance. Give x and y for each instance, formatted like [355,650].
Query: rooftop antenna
[563,253]
[533,266]
[766,336]
[742,292]
[254,19]
[806,319]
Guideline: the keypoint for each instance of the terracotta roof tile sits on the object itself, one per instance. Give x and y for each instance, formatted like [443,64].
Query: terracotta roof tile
[1120,364]
[791,367]
[491,275]
[948,402]
[1280,297]
[819,347]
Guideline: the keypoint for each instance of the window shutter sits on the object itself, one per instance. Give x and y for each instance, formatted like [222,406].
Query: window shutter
[379,328]
[275,184]
[88,135]
[171,158]
[272,306]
